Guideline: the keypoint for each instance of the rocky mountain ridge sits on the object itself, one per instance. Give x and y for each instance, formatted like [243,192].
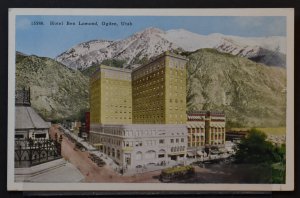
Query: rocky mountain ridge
[151,42]
[251,94]
[57,91]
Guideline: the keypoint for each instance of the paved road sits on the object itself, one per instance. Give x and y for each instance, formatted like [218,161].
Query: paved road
[91,171]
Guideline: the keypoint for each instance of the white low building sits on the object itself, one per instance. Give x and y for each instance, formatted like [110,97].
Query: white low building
[136,145]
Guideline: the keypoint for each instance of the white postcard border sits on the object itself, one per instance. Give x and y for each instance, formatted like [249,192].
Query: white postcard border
[288,12]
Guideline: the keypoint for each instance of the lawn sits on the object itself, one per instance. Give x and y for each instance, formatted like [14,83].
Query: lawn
[267,130]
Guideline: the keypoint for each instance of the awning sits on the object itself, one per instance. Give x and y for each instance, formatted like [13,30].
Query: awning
[223,150]
[190,154]
[195,125]
[172,154]
[214,152]
[191,125]
[200,153]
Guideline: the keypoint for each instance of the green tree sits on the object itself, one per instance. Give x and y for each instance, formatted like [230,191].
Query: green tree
[260,154]
[255,149]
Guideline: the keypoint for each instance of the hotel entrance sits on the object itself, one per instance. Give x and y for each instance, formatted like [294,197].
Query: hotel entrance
[174,157]
[127,157]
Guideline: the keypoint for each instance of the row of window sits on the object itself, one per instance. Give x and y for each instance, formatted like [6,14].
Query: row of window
[174,75]
[196,138]
[176,140]
[176,116]
[176,81]
[149,113]
[215,129]
[141,95]
[142,103]
[216,142]
[151,142]
[196,144]
[118,106]
[147,116]
[115,82]
[177,63]
[148,70]
[111,152]
[110,118]
[149,155]
[149,84]
[116,111]
[116,99]
[196,130]
[175,94]
[148,76]
[147,108]
[111,141]
[176,108]
[134,133]
[117,91]
[201,130]
[177,148]
[36,136]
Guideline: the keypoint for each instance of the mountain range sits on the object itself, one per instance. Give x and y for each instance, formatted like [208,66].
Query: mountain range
[57,92]
[244,77]
[251,94]
[148,43]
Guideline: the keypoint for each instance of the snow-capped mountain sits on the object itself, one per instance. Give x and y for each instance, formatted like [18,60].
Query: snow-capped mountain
[153,41]
[190,41]
[147,43]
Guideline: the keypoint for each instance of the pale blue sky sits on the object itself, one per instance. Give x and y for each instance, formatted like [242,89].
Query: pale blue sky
[50,41]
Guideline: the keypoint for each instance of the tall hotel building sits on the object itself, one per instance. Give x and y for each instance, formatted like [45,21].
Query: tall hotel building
[139,117]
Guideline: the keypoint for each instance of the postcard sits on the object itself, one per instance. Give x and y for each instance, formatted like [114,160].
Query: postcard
[151,100]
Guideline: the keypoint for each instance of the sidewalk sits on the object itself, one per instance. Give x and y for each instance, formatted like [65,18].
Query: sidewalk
[147,169]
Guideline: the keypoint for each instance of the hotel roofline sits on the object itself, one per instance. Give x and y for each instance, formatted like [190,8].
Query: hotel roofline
[167,53]
[204,112]
[110,68]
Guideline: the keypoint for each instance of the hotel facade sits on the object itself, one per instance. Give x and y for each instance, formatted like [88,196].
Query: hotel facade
[206,129]
[138,117]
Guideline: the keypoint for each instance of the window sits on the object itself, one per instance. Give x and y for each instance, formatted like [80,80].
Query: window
[19,136]
[40,135]
[172,140]
[161,155]
[161,141]
[177,140]
[182,139]
[150,154]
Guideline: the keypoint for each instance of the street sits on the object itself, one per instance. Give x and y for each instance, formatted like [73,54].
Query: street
[214,173]
[91,171]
